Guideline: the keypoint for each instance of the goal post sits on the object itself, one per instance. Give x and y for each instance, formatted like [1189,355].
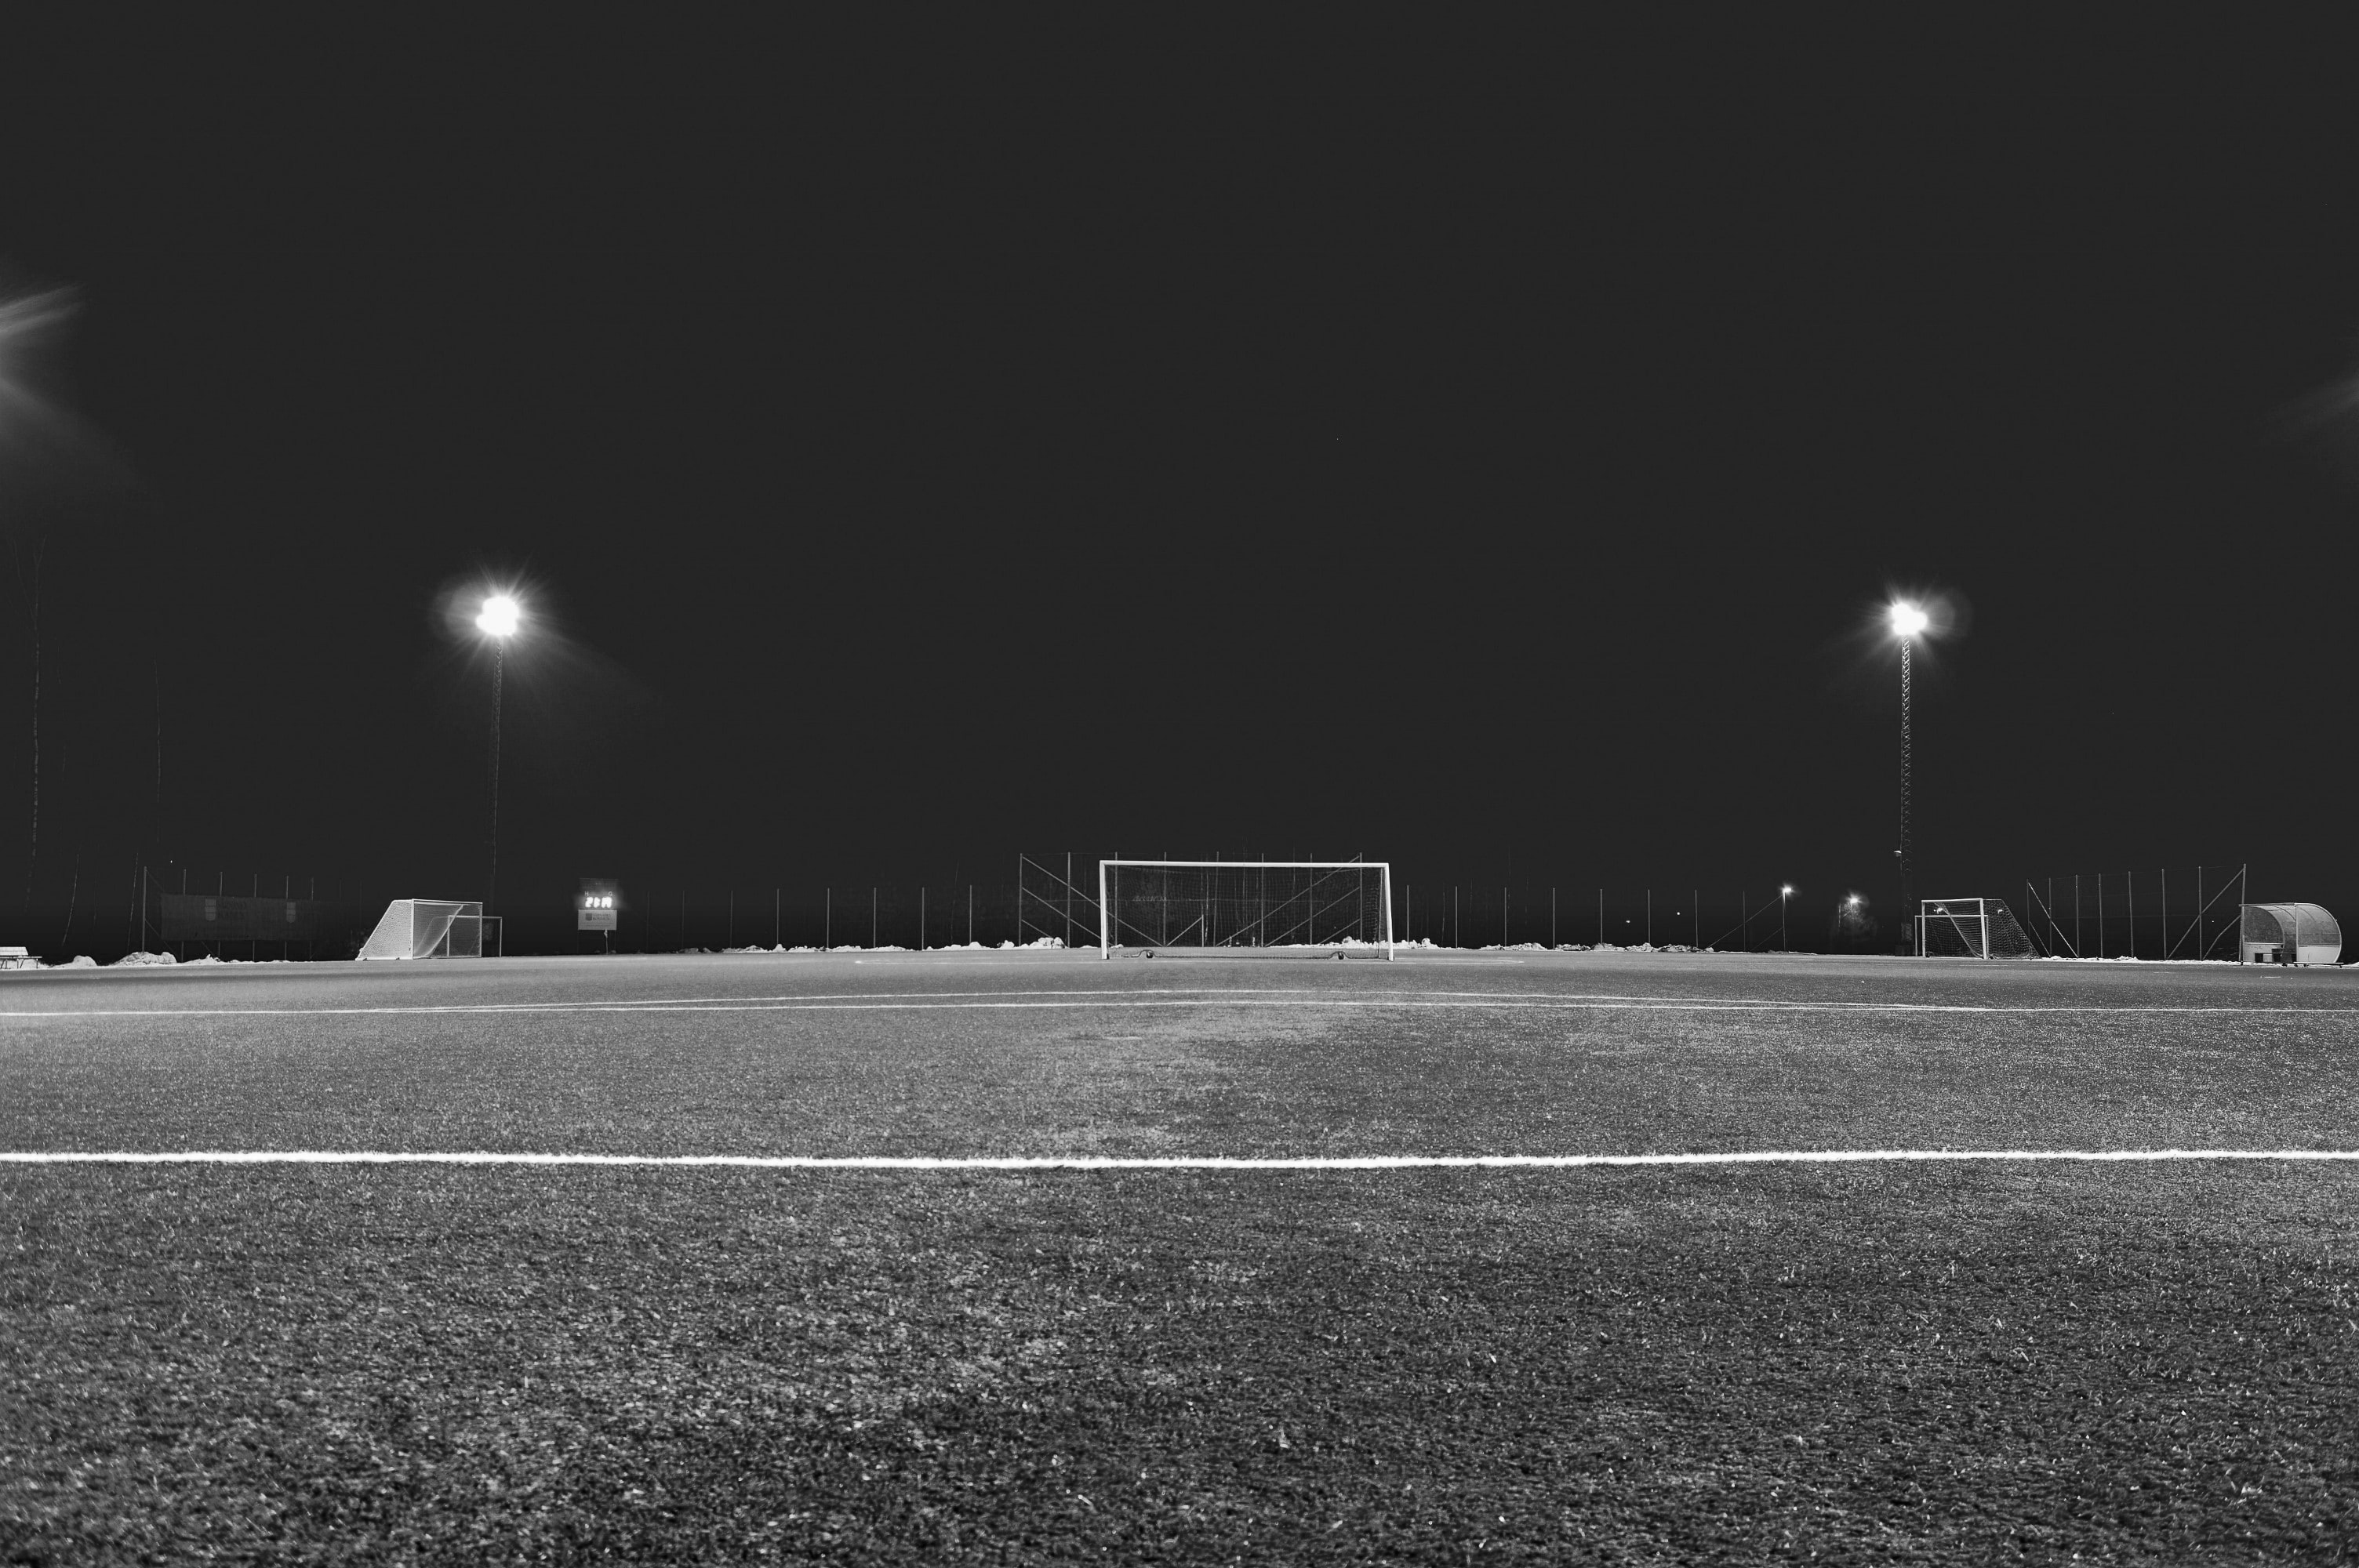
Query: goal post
[1246,904]
[433,928]
[1971,928]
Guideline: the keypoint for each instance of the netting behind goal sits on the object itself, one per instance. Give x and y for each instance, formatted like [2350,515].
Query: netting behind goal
[1971,928]
[1233,904]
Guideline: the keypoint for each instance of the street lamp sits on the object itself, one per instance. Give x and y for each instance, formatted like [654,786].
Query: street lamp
[1908,623]
[498,621]
[1784,892]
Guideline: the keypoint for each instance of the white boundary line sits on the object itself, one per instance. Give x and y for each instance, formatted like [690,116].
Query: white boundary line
[1176,1162]
[955,1002]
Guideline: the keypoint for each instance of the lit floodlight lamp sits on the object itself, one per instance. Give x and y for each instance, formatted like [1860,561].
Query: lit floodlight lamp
[500,616]
[1908,620]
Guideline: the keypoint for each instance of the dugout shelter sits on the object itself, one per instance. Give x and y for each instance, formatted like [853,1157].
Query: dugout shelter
[2288,933]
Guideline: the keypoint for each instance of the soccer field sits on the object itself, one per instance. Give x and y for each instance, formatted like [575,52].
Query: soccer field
[1876,1361]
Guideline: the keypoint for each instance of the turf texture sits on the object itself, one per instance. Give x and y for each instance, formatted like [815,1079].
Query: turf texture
[1870,1364]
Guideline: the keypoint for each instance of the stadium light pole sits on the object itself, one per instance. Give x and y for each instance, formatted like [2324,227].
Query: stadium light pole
[498,619]
[1784,892]
[1908,623]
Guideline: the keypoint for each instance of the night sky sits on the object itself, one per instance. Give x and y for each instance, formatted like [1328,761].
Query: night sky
[1484,453]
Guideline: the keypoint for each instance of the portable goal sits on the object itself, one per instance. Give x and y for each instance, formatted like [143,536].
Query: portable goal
[1246,904]
[432,928]
[1969,928]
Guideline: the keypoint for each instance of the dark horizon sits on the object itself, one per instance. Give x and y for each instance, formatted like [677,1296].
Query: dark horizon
[1433,461]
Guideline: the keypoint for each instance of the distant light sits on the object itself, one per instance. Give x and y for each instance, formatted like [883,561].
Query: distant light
[500,616]
[1852,899]
[1908,621]
[1786,890]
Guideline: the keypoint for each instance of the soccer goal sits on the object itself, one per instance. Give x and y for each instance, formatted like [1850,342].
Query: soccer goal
[1342,905]
[1969,928]
[433,928]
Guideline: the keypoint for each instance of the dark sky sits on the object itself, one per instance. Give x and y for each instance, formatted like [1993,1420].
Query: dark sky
[1478,451]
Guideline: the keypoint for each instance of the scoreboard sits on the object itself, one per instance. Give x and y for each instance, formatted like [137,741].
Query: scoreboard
[598,906]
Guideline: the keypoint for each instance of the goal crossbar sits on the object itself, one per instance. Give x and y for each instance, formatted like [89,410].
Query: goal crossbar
[1293,919]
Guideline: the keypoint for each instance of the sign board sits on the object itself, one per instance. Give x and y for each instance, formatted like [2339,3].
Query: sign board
[599,905]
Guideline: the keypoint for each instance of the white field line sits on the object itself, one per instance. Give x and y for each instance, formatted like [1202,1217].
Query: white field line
[959,1001]
[1178,1162]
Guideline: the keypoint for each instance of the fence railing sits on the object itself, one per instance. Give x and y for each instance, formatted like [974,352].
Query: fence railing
[2126,914]
[2163,915]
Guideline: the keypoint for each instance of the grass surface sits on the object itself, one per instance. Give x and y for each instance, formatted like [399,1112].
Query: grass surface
[1866,1363]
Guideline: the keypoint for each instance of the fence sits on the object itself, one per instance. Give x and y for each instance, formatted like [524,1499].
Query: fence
[2113,914]
[1053,896]
[257,921]
[656,918]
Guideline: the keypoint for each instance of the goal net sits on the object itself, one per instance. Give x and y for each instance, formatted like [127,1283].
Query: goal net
[1245,903]
[1969,928]
[432,928]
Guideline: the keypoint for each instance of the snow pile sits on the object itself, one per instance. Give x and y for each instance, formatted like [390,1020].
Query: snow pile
[1042,942]
[135,958]
[79,961]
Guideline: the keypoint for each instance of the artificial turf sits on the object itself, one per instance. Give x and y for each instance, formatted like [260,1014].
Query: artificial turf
[1870,1364]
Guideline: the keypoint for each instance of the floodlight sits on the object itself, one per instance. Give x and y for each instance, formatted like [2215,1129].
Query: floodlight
[500,616]
[1908,623]
[1786,891]
[498,621]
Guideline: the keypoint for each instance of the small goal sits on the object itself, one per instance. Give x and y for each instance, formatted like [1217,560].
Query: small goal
[1971,928]
[433,928]
[1343,904]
